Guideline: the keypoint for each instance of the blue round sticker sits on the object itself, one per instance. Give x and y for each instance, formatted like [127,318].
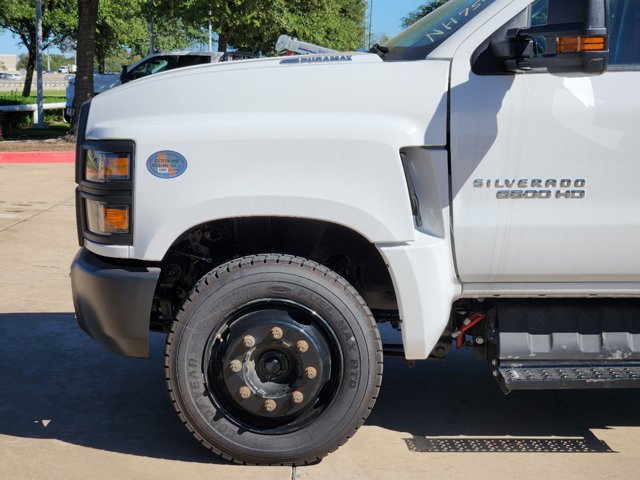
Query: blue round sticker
[166,164]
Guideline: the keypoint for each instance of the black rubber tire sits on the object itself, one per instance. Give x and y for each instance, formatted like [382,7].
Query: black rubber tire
[296,279]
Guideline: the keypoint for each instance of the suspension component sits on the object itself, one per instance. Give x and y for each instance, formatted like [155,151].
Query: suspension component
[467,324]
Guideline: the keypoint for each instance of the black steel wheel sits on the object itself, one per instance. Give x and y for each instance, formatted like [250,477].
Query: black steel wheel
[273,359]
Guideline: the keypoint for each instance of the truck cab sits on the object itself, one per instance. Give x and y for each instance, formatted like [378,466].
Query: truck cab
[470,183]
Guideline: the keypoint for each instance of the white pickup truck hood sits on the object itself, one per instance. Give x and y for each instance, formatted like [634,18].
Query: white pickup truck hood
[407,97]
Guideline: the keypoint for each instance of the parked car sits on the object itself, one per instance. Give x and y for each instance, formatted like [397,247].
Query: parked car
[10,76]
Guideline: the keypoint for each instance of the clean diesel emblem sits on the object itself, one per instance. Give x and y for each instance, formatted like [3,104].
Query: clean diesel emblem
[166,164]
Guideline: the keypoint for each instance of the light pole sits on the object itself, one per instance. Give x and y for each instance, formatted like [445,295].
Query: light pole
[370,22]
[210,35]
[40,120]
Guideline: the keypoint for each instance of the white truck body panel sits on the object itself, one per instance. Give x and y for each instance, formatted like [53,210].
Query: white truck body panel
[547,128]
[224,139]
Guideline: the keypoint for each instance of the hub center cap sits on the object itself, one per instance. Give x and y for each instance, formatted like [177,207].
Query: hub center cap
[273,366]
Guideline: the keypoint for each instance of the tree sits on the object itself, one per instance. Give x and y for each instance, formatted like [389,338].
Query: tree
[421,11]
[87,19]
[256,24]
[127,25]
[19,17]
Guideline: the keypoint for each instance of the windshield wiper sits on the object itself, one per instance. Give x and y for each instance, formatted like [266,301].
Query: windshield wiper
[379,50]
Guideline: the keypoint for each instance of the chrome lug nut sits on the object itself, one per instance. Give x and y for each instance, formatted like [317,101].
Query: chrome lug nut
[235,366]
[311,373]
[276,333]
[302,346]
[297,397]
[248,341]
[244,392]
[270,405]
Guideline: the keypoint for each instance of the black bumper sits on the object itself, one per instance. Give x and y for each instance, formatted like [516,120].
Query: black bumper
[113,302]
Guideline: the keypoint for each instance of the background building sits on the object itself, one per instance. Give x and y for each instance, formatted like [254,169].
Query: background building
[8,62]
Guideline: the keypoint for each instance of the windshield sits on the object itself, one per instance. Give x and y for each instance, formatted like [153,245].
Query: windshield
[421,38]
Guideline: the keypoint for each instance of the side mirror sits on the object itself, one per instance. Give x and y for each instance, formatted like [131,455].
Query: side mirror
[574,40]
[123,74]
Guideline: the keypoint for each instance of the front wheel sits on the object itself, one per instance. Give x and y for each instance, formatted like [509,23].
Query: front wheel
[273,359]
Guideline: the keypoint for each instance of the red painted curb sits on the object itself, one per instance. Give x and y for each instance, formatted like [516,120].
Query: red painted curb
[37,157]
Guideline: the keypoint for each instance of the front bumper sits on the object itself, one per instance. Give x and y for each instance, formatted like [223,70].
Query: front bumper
[113,302]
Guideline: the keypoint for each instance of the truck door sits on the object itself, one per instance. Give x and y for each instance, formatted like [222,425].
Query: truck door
[545,167]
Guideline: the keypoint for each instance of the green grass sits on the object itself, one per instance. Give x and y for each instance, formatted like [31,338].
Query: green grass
[54,130]
[11,99]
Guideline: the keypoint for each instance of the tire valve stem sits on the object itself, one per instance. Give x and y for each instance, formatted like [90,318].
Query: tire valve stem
[248,341]
[311,373]
[270,405]
[235,366]
[297,397]
[244,392]
[276,333]
[302,346]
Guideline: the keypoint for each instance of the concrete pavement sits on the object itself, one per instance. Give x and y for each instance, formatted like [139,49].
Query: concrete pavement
[70,410]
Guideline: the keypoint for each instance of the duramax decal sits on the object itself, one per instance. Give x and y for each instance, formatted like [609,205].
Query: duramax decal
[525,188]
[309,59]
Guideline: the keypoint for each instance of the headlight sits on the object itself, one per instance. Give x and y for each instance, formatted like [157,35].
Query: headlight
[105,219]
[102,167]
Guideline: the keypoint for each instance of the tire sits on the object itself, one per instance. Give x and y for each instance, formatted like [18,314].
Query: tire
[273,359]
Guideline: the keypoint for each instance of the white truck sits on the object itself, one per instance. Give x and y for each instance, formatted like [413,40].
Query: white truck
[149,65]
[474,182]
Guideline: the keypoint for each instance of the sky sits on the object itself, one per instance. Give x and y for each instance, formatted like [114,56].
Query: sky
[385,19]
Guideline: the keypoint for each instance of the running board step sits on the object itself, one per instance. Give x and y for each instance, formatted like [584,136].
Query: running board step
[530,376]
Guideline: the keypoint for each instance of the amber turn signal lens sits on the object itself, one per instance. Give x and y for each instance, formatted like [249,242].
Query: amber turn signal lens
[581,44]
[116,219]
[104,219]
[118,167]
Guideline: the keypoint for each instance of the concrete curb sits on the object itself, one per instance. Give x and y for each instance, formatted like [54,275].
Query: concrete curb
[37,157]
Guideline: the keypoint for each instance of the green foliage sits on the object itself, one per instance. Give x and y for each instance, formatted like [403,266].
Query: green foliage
[55,129]
[19,100]
[379,38]
[18,17]
[255,25]
[123,30]
[23,60]
[13,120]
[421,11]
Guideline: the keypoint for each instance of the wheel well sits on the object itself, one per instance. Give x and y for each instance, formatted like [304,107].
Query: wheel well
[205,246]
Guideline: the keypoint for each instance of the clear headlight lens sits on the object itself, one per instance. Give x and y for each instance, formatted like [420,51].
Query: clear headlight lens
[102,167]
